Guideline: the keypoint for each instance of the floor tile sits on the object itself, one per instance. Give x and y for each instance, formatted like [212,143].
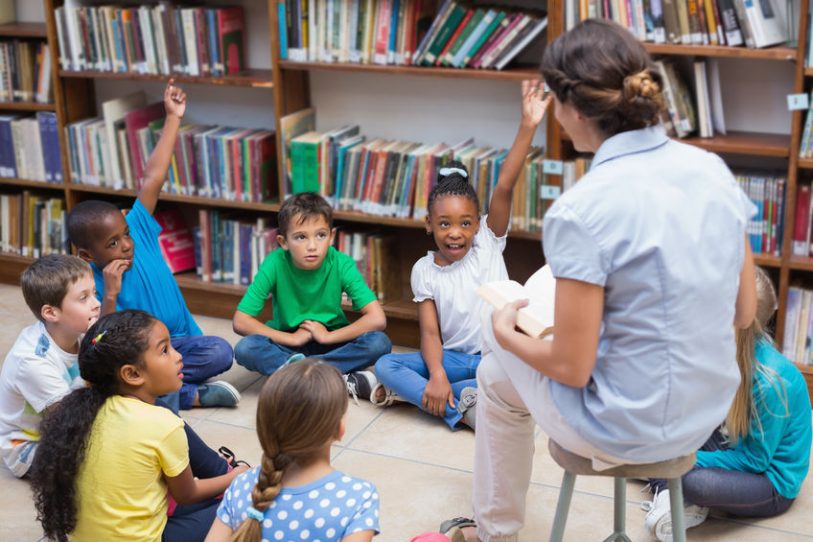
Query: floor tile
[18,518]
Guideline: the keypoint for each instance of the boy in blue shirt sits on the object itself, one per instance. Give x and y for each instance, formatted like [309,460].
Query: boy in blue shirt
[130,272]
[306,279]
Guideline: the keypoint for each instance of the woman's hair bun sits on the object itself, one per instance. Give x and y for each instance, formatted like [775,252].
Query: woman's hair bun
[641,85]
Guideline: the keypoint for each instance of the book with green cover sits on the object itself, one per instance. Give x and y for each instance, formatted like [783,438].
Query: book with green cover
[490,29]
[467,31]
[305,163]
[455,16]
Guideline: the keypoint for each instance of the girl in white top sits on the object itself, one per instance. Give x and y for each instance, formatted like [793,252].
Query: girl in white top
[440,379]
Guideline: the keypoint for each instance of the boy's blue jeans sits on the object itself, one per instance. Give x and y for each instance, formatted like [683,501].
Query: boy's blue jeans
[203,357]
[407,375]
[261,354]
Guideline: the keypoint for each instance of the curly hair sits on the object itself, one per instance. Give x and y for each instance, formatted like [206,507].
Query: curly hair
[114,340]
[606,74]
[299,411]
[452,183]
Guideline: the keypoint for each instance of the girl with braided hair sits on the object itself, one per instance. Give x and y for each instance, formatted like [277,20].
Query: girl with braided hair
[295,494]
[109,456]
[440,379]
[653,273]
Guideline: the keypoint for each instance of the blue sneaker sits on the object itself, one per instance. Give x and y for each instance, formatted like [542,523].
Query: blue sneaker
[293,358]
[218,394]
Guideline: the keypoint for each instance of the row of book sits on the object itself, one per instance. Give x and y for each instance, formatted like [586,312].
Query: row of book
[25,72]
[765,228]
[209,161]
[797,344]
[806,145]
[29,147]
[691,22]
[32,226]
[152,39]
[376,257]
[803,228]
[405,32]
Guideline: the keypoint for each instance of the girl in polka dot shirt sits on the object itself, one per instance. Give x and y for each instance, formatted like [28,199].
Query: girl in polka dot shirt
[295,495]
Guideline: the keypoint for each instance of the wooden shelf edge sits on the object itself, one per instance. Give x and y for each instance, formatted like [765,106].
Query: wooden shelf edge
[757,144]
[11,266]
[516,74]
[805,163]
[26,106]
[723,51]
[801,263]
[23,30]
[767,260]
[250,78]
[8,181]
[269,206]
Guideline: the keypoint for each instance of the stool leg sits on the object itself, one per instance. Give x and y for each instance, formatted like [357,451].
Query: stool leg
[557,533]
[676,503]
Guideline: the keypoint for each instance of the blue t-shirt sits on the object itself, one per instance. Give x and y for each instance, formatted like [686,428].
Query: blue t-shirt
[328,509]
[149,284]
[778,443]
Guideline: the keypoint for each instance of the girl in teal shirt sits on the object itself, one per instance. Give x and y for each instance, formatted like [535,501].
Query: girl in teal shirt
[755,464]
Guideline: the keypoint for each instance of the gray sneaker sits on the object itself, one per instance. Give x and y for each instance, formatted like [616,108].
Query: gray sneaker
[466,405]
[218,394]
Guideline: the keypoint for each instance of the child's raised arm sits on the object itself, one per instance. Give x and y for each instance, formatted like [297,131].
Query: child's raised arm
[155,173]
[533,111]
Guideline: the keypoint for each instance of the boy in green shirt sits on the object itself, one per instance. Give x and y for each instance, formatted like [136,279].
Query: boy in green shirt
[305,281]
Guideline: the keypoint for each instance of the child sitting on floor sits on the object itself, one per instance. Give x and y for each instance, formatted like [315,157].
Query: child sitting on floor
[296,494]
[131,272]
[754,465]
[305,280]
[108,455]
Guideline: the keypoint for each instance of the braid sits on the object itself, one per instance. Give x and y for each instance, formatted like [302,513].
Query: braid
[452,183]
[269,484]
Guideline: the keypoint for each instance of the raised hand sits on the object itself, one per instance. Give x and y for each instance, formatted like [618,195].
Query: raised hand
[534,102]
[174,100]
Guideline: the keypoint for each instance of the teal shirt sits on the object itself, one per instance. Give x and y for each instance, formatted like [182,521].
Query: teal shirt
[298,295]
[779,445]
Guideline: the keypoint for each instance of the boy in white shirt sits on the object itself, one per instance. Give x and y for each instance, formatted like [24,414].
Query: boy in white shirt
[41,368]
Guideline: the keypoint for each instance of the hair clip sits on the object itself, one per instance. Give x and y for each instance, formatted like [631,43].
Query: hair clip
[446,171]
[97,338]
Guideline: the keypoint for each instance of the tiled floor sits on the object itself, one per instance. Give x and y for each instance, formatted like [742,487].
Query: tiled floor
[422,470]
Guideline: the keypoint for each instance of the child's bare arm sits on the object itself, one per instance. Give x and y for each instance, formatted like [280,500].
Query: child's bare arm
[186,489]
[363,536]
[245,324]
[220,532]
[533,111]
[155,173]
[438,391]
[372,319]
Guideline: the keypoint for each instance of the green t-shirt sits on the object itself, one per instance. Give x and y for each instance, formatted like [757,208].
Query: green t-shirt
[298,295]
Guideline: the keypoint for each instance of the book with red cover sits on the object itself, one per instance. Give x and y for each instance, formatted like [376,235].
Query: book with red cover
[176,240]
[231,38]
[800,230]
[134,121]
[459,30]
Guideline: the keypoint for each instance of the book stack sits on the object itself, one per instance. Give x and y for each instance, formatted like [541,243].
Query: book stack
[209,161]
[25,72]
[161,39]
[765,228]
[32,226]
[405,32]
[376,259]
[29,147]
[798,336]
[230,251]
[691,22]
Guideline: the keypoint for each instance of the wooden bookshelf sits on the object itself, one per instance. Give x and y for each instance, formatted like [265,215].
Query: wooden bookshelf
[11,265]
[23,30]
[751,143]
[5,181]
[805,163]
[26,106]
[249,78]
[513,74]
[786,54]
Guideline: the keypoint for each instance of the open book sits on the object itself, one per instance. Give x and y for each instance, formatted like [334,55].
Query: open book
[535,320]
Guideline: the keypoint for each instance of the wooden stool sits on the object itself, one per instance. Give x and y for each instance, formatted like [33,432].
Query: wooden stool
[574,464]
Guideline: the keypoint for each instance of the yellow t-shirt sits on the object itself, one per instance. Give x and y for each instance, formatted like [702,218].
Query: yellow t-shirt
[121,494]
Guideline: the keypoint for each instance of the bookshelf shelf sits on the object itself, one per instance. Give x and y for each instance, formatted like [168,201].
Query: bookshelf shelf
[11,265]
[772,53]
[26,106]
[514,74]
[801,263]
[32,184]
[808,72]
[766,260]
[23,30]
[249,78]
[179,198]
[757,144]
[806,163]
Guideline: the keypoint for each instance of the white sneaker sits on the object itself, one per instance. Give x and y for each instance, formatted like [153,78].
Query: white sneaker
[381,396]
[659,517]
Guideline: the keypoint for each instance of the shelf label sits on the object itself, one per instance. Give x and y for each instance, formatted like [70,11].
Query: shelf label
[547,191]
[552,167]
[797,102]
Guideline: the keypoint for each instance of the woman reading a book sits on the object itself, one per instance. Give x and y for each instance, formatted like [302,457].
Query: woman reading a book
[652,268]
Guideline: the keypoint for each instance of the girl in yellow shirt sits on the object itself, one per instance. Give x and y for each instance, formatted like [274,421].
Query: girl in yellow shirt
[108,455]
